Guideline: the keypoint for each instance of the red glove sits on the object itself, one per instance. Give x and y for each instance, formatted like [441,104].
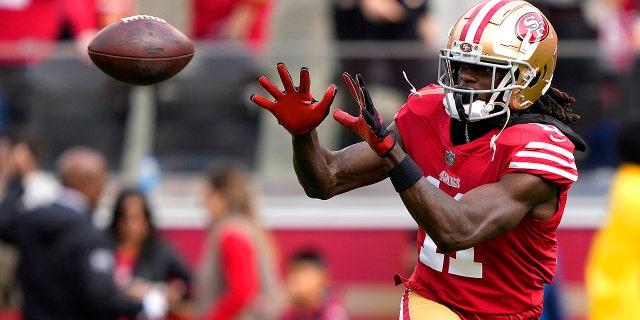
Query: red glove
[369,125]
[295,108]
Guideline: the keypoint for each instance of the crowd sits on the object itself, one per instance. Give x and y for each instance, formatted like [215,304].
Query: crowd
[607,68]
[69,269]
[56,264]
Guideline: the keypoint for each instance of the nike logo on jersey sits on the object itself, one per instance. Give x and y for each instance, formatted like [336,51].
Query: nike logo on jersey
[556,135]
[554,139]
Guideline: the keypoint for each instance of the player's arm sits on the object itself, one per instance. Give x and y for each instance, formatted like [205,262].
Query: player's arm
[482,213]
[324,173]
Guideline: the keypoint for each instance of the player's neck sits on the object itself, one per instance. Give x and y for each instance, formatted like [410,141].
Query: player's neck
[462,132]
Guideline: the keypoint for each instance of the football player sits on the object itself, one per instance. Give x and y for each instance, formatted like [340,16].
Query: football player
[483,162]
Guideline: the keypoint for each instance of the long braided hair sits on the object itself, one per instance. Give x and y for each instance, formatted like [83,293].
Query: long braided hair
[555,103]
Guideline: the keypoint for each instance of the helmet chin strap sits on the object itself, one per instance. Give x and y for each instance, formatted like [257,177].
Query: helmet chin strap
[479,108]
[458,98]
[466,112]
[492,143]
[413,89]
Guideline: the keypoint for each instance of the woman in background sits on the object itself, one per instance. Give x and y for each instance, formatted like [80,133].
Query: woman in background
[238,277]
[142,257]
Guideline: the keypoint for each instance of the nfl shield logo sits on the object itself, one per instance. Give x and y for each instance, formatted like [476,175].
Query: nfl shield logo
[449,157]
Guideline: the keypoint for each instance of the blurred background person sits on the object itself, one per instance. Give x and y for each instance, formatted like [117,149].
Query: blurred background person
[308,284]
[66,265]
[40,188]
[612,273]
[230,36]
[143,256]
[28,145]
[617,43]
[10,295]
[406,26]
[246,22]
[32,29]
[238,278]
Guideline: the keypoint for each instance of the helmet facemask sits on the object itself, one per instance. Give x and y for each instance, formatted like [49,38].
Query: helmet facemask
[463,103]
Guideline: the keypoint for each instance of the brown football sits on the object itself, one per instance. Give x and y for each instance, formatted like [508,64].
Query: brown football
[140,50]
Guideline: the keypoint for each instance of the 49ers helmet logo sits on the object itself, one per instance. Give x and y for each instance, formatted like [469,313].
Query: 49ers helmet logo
[534,24]
[466,47]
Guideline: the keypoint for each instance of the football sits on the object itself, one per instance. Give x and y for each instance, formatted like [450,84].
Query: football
[140,50]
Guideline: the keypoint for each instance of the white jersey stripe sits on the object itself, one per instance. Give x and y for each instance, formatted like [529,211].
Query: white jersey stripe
[546,156]
[553,148]
[479,18]
[543,167]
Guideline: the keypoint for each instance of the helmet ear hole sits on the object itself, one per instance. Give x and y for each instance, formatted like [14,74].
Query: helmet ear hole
[534,81]
[537,77]
[516,75]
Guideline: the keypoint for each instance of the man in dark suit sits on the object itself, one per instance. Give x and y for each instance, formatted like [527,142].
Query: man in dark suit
[66,266]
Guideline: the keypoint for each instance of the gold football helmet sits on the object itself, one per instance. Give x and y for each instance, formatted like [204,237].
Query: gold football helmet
[510,37]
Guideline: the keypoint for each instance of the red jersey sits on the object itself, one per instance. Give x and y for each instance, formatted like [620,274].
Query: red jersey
[503,275]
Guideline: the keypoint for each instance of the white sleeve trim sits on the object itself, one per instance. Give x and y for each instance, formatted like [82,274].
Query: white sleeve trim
[543,167]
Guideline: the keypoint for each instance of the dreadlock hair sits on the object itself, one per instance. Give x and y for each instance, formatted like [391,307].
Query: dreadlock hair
[554,103]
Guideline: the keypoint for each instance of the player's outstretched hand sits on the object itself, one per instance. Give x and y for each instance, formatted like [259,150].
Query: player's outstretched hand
[369,125]
[295,108]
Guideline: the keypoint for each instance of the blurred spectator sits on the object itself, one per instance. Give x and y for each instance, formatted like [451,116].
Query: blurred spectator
[397,23]
[141,255]
[610,94]
[31,150]
[229,35]
[31,29]
[618,43]
[615,21]
[577,59]
[308,285]
[66,265]
[10,295]
[41,189]
[244,21]
[33,26]
[238,278]
[618,37]
[613,264]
